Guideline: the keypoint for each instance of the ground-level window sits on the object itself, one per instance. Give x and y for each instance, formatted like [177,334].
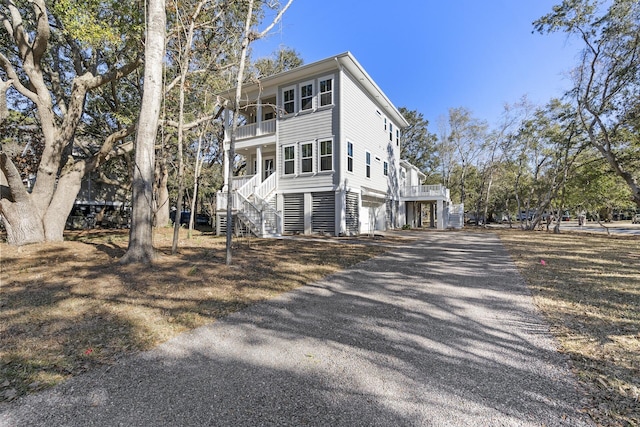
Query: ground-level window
[326,92]
[306,156]
[349,157]
[289,160]
[326,155]
[385,168]
[368,163]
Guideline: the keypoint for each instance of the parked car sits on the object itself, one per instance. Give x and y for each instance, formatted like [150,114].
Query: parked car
[200,219]
[636,219]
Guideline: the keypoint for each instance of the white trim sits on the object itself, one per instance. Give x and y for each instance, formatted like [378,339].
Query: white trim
[319,144]
[333,85]
[367,166]
[312,158]
[310,97]
[350,157]
[284,161]
[284,90]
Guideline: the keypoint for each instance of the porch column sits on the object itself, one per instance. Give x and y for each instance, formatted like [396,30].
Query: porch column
[259,117]
[440,215]
[259,161]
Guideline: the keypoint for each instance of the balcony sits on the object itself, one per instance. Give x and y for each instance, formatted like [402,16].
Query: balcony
[417,192]
[266,127]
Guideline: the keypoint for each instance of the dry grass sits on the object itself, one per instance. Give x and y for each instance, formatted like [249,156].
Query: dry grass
[588,287]
[69,307]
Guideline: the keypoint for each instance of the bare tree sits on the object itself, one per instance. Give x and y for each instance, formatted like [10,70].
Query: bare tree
[248,37]
[140,248]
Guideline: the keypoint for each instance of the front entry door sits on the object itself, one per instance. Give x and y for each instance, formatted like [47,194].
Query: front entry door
[269,167]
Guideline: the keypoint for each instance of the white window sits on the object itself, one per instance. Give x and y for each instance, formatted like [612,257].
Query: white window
[289,100]
[398,137]
[326,92]
[385,124]
[349,157]
[306,157]
[385,168]
[326,155]
[368,163]
[289,160]
[306,96]
[390,131]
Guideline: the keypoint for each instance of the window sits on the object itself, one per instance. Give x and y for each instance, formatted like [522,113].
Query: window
[368,163]
[288,97]
[390,131]
[306,155]
[289,160]
[268,116]
[326,92]
[385,168]
[398,137]
[306,96]
[385,123]
[326,155]
[349,157]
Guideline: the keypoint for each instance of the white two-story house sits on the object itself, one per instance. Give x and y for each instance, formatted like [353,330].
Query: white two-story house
[321,144]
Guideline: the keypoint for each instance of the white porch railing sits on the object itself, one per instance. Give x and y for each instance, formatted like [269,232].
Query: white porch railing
[424,191]
[240,181]
[251,130]
[243,186]
[267,186]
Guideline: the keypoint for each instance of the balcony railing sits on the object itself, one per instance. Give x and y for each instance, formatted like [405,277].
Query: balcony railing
[249,131]
[424,191]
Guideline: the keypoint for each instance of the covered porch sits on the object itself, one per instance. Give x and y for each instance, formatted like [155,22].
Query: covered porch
[425,205]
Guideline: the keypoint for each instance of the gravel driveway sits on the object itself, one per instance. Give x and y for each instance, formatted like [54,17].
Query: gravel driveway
[441,331]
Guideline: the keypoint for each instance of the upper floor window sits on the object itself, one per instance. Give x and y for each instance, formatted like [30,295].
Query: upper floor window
[289,160]
[385,123]
[398,137]
[385,168]
[349,157]
[390,131]
[368,163]
[289,103]
[306,96]
[306,156]
[326,155]
[326,92]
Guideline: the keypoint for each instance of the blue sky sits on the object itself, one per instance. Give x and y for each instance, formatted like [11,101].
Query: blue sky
[430,55]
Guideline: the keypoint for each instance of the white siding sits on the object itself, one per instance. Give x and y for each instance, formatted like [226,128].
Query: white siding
[363,125]
[306,127]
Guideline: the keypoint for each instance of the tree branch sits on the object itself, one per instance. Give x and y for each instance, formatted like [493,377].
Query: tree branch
[275,20]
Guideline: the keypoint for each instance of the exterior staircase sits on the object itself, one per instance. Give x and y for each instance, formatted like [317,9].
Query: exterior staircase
[254,207]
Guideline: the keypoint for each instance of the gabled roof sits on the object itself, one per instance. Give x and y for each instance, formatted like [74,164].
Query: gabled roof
[407,165]
[344,60]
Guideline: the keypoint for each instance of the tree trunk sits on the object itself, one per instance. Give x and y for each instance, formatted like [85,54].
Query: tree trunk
[22,223]
[140,248]
[55,217]
[20,216]
[162,194]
